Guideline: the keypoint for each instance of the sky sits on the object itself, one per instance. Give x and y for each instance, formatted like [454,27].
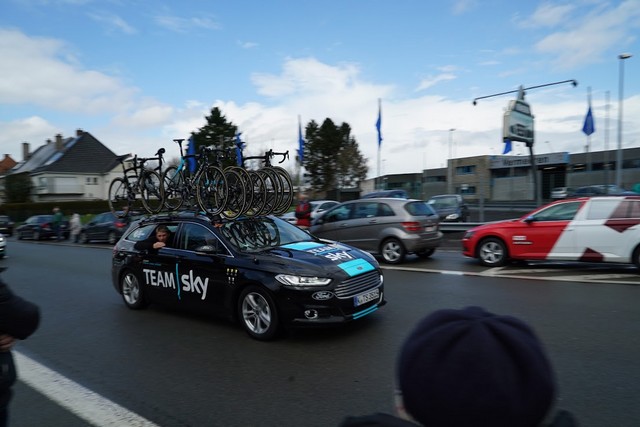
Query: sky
[137,74]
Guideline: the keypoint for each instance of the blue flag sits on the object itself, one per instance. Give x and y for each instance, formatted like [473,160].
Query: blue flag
[191,151]
[507,146]
[239,147]
[300,144]
[588,126]
[378,125]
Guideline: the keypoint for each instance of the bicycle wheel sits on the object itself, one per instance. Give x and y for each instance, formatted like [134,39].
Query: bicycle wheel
[212,191]
[235,205]
[151,191]
[173,185]
[247,187]
[259,194]
[119,197]
[286,190]
[270,191]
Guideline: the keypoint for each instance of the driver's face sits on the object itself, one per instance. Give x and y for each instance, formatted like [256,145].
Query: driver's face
[162,236]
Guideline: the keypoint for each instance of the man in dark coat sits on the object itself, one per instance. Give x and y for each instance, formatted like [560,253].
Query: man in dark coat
[18,319]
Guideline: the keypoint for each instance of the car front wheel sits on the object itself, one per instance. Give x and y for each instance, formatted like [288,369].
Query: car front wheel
[132,292]
[492,252]
[393,251]
[258,313]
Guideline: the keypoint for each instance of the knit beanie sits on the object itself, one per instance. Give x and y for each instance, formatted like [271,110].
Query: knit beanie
[473,368]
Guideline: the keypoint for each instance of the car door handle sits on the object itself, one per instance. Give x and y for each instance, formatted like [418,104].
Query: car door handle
[373,221]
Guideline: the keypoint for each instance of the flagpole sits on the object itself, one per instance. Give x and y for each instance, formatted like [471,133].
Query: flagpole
[378,126]
[589,135]
[299,156]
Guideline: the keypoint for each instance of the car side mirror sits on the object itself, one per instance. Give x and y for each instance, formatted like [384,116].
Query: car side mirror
[530,219]
[207,250]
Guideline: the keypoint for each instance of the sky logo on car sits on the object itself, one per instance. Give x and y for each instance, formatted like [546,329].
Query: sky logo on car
[356,266]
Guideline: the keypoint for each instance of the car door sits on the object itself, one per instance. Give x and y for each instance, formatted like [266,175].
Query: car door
[367,224]
[547,234]
[200,267]
[95,226]
[335,223]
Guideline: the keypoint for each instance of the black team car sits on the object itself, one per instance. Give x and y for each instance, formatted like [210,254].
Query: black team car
[261,271]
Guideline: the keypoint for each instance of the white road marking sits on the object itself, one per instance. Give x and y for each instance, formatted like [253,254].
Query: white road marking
[91,407]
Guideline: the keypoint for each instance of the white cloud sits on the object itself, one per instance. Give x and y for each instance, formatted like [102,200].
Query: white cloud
[433,80]
[184,25]
[113,22]
[549,15]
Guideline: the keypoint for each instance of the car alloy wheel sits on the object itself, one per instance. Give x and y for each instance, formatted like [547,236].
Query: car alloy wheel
[258,313]
[111,238]
[83,238]
[492,252]
[393,252]
[36,235]
[132,293]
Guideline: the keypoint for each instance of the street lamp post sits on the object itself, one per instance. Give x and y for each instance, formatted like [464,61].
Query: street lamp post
[621,57]
[450,164]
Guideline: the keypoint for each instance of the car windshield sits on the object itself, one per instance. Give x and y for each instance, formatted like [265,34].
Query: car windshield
[258,234]
[443,202]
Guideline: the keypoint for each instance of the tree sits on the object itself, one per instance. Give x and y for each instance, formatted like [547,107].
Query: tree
[18,188]
[217,132]
[332,158]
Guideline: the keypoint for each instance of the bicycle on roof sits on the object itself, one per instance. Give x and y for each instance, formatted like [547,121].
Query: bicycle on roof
[138,184]
[278,189]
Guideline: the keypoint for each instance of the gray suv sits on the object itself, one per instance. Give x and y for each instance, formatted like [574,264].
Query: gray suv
[389,227]
[450,207]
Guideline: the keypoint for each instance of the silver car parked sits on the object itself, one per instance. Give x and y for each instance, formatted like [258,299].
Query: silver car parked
[389,227]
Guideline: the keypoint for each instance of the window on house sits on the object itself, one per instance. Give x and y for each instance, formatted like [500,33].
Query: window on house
[466,170]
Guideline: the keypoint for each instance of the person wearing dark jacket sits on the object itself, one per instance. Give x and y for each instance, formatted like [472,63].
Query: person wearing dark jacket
[18,320]
[471,368]
[160,239]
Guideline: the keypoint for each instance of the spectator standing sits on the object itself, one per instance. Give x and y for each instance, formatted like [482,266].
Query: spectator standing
[75,225]
[303,212]
[471,368]
[57,222]
[18,320]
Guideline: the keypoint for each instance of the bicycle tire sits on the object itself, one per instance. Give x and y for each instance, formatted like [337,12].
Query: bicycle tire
[271,190]
[259,196]
[212,191]
[151,191]
[235,199]
[119,197]
[247,188]
[286,190]
[173,185]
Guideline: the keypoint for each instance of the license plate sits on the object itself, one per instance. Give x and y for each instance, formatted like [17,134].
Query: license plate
[429,228]
[365,298]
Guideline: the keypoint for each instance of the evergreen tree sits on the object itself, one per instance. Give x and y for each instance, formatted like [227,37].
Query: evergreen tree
[332,158]
[218,133]
[18,188]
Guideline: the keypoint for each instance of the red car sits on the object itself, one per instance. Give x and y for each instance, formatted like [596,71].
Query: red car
[589,229]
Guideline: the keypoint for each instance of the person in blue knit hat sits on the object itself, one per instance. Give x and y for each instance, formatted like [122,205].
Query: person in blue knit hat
[471,368]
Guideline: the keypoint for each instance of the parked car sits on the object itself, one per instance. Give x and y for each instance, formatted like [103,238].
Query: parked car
[450,207]
[596,229]
[262,271]
[561,192]
[318,207]
[386,226]
[601,190]
[6,225]
[105,227]
[3,246]
[40,227]
[398,194]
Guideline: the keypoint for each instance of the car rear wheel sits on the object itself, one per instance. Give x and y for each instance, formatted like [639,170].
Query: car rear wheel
[111,238]
[492,252]
[426,253]
[258,313]
[36,235]
[393,251]
[132,292]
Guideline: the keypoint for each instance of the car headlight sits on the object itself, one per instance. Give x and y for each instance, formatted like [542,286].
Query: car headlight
[468,235]
[302,281]
[452,216]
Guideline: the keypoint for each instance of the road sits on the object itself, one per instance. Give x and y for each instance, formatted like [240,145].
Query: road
[179,370]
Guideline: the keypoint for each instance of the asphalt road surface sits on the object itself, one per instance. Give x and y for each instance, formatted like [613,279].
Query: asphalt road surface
[167,368]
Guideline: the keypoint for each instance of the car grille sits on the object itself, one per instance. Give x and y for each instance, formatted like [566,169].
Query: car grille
[357,284]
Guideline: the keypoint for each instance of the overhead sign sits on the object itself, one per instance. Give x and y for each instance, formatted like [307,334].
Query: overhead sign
[518,121]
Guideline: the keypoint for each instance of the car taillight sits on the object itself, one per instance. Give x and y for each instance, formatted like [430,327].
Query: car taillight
[119,224]
[412,226]
[45,225]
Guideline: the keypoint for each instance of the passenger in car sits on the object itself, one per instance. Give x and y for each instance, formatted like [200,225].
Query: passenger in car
[160,239]
[471,367]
